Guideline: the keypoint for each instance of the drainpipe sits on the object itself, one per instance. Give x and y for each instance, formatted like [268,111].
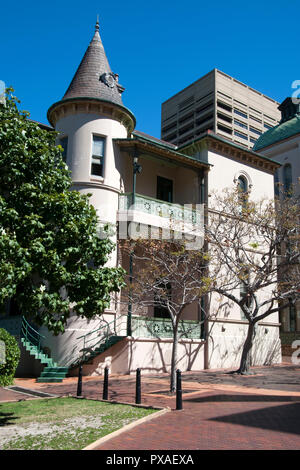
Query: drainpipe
[136,169]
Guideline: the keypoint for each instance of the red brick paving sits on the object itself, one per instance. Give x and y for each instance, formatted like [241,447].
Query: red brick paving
[220,411]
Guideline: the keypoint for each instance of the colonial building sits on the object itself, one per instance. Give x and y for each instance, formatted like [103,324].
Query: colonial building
[134,177]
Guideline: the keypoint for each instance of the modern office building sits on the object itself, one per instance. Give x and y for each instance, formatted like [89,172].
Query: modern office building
[221,104]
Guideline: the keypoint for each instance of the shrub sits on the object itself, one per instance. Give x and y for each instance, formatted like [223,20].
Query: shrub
[12,357]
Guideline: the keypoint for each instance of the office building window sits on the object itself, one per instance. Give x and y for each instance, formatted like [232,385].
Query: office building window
[97,156]
[241,124]
[224,129]
[255,131]
[242,136]
[240,113]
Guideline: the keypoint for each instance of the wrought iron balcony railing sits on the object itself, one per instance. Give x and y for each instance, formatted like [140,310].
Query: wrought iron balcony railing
[151,327]
[155,207]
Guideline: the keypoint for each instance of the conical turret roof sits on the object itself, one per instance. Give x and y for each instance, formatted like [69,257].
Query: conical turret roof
[94,78]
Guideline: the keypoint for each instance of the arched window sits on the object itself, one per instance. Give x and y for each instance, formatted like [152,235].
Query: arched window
[287,178]
[243,190]
[243,184]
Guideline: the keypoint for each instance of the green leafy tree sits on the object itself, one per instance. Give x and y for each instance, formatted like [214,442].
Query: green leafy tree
[10,356]
[52,255]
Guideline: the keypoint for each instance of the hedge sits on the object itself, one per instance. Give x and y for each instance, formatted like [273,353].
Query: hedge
[12,357]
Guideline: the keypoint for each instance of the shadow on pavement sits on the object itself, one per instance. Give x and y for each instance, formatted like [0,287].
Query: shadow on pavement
[242,398]
[282,418]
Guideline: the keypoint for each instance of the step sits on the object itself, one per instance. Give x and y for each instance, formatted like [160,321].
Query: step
[49,379]
[61,375]
[56,369]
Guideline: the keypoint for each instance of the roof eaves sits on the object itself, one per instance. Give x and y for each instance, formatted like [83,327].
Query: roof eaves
[165,148]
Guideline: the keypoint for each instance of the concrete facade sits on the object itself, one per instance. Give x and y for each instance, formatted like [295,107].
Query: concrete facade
[219,103]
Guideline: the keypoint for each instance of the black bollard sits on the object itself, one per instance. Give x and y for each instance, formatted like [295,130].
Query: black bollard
[79,383]
[105,384]
[138,399]
[178,390]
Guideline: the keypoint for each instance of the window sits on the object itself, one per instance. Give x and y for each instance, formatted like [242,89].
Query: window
[97,156]
[240,135]
[276,183]
[256,131]
[240,113]
[287,178]
[243,189]
[224,106]
[164,189]
[241,124]
[161,310]
[224,117]
[292,317]
[255,119]
[63,141]
[224,129]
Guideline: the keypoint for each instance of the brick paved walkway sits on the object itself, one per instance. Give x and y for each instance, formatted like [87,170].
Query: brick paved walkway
[221,411]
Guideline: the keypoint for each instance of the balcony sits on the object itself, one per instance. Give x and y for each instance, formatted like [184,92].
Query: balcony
[151,327]
[148,211]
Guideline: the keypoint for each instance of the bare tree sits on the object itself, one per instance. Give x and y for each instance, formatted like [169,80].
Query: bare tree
[254,256]
[169,276]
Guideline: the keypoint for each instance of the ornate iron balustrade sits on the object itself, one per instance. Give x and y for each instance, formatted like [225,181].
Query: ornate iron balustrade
[159,208]
[151,327]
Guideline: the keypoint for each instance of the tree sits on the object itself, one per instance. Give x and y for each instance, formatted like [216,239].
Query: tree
[9,358]
[254,256]
[169,277]
[52,257]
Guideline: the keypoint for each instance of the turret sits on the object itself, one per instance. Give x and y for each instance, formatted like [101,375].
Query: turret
[89,116]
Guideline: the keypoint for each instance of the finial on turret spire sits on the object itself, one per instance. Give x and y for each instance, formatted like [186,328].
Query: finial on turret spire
[97,24]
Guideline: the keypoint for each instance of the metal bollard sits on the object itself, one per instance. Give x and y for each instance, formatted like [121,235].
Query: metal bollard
[138,400]
[79,383]
[178,390]
[105,384]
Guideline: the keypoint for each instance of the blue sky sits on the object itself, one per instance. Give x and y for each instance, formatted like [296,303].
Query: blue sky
[157,48]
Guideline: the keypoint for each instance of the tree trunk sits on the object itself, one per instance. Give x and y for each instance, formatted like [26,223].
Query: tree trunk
[174,360]
[245,359]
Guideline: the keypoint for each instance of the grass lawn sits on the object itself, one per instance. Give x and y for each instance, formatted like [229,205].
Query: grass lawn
[61,423]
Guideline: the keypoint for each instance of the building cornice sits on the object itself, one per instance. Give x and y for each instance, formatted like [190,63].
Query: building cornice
[215,143]
[88,105]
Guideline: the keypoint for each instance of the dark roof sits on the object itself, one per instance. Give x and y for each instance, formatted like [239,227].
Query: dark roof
[94,78]
[288,126]
[154,139]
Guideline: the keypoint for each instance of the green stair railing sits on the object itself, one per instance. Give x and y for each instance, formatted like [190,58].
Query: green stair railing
[32,342]
[97,341]
[30,335]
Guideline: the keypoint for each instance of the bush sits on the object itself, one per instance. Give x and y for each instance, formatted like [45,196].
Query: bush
[12,357]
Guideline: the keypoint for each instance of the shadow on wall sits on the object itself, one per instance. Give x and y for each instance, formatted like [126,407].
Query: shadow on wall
[266,349]
[225,349]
